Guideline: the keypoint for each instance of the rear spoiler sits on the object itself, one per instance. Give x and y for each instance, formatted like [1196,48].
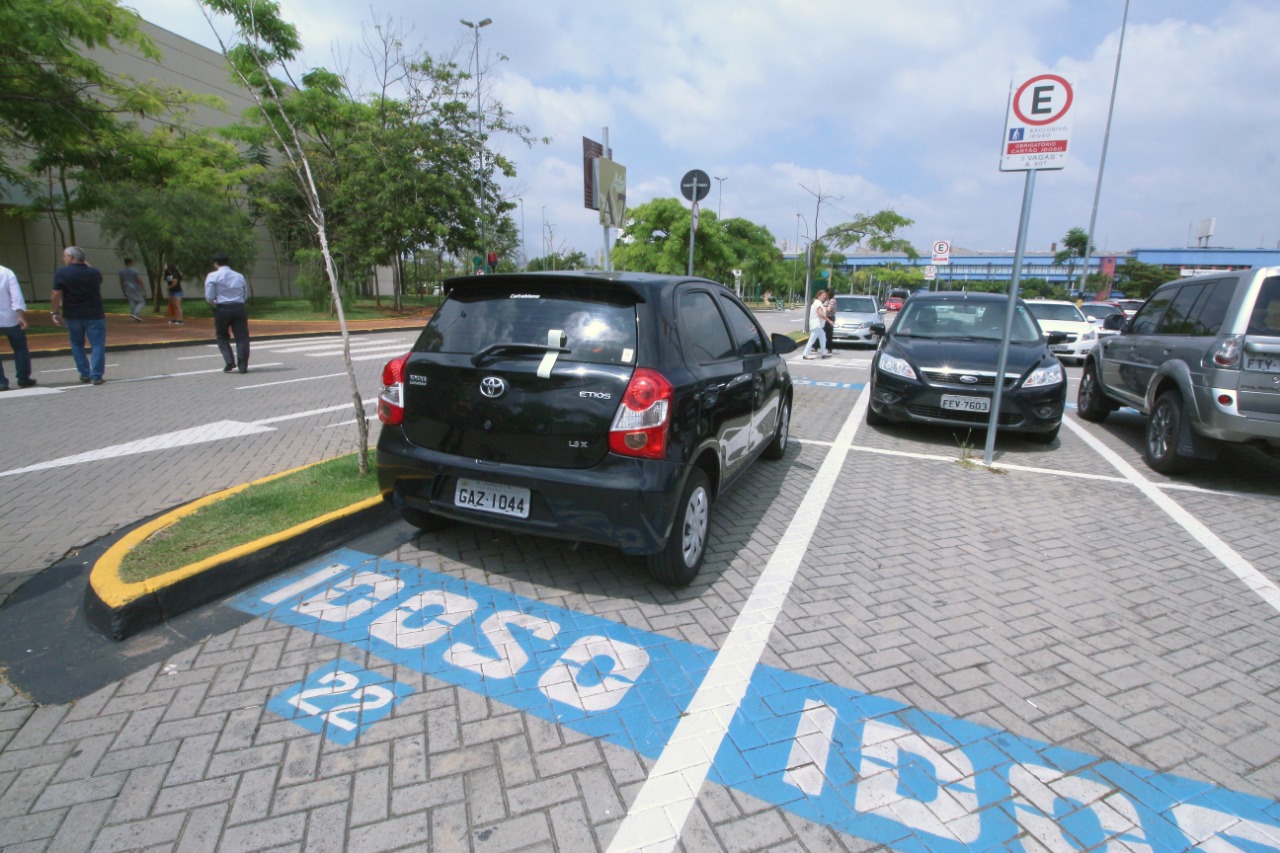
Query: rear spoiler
[573,278]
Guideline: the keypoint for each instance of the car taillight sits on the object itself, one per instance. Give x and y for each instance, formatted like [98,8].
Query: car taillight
[391,395]
[644,416]
[1228,352]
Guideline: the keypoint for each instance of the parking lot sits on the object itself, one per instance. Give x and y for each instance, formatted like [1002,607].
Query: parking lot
[890,645]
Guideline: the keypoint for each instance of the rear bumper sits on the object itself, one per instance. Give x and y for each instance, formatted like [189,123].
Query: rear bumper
[626,503]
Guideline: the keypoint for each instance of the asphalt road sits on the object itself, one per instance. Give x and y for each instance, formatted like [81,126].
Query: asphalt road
[889,646]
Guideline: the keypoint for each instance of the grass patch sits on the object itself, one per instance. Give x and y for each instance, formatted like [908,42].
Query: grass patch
[260,510]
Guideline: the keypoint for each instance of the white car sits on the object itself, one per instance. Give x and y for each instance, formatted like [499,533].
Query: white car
[1055,316]
[1099,311]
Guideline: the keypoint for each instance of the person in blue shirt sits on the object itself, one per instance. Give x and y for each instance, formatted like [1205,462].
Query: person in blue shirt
[226,290]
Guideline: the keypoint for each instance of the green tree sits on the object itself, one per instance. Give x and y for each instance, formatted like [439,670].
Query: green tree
[1138,280]
[560,261]
[1075,245]
[753,250]
[656,239]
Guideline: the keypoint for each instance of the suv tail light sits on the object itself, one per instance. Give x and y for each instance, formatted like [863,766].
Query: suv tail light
[391,395]
[1227,353]
[644,416]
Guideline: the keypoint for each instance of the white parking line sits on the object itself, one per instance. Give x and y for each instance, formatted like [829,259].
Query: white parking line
[656,818]
[288,381]
[1237,565]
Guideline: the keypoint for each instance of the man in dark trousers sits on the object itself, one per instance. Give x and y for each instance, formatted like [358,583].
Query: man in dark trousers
[226,290]
[77,303]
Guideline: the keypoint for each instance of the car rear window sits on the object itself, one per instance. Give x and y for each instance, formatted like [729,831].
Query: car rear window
[596,324]
[1265,317]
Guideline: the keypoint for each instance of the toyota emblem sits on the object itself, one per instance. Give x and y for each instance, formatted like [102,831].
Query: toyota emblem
[493,387]
[968,380]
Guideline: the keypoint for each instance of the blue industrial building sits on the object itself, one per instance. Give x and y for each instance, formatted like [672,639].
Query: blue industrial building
[968,265]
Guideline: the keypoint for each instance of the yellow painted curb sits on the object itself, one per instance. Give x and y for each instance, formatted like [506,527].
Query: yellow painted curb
[113,591]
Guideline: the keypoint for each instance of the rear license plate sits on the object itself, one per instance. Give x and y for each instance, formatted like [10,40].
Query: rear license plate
[1262,363]
[966,404]
[490,497]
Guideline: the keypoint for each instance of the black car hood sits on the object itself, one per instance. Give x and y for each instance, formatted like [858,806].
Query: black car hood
[966,353]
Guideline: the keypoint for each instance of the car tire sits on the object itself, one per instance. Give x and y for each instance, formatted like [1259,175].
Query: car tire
[1091,403]
[1164,425]
[778,446]
[678,562]
[423,520]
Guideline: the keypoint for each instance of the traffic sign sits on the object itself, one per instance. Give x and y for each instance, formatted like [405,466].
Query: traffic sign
[930,273]
[695,185]
[942,252]
[1037,129]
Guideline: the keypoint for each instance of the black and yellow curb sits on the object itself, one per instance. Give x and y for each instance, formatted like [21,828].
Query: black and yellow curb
[120,608]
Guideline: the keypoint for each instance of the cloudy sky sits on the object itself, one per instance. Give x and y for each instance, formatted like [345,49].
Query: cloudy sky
[870,104]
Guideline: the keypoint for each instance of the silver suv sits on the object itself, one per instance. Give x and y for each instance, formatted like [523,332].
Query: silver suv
[1202,359]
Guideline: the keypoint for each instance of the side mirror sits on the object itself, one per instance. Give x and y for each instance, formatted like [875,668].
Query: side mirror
[1114,322]
[884,310]
[783,344]
[1056,338]
[878,328]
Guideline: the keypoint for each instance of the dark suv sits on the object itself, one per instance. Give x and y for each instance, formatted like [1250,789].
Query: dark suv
[598,407]
[1201,358]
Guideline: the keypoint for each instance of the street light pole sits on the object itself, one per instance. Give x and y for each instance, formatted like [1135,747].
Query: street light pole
[720,202]
[475,28]
[1102,162]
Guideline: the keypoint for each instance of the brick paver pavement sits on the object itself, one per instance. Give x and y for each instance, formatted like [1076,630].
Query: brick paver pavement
[1045,614]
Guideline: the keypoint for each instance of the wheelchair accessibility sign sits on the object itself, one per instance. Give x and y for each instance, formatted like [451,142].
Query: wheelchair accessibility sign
[862,764]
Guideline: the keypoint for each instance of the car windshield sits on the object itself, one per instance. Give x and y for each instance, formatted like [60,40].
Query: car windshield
[964,320]
[595,325]
[1051,311]
[855,304]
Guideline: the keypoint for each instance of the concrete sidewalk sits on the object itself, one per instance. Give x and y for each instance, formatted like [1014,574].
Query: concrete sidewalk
[123,332]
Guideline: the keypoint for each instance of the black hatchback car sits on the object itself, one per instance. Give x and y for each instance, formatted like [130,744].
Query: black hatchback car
[937,364]
[599,407]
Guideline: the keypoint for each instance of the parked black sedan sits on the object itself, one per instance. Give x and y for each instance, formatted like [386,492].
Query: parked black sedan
[937,365]
[597,407]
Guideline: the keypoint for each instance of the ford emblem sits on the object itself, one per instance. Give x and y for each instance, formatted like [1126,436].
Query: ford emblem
[969,380]
[493,387]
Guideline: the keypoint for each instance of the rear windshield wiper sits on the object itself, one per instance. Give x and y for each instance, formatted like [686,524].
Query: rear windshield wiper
[512,346]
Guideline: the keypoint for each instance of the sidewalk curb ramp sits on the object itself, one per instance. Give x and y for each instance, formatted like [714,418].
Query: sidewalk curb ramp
[120,608]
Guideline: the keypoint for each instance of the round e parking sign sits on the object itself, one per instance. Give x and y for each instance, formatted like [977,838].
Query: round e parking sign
[1043,99]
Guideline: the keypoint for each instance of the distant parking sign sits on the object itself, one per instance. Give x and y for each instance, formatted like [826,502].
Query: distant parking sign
[1037,129]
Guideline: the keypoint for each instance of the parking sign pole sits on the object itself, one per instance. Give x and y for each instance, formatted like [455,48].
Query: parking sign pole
[1028,191]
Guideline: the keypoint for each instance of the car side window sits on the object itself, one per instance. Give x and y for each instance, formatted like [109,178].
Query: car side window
[1211,311]
[1148,318]
[702,329]
[1265,317]
[1177,319]
[746,333]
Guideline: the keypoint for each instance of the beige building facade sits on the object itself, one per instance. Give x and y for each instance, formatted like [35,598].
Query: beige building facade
[32,248]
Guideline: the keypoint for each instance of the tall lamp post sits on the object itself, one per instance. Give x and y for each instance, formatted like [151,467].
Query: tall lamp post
[720,201]
[475,28]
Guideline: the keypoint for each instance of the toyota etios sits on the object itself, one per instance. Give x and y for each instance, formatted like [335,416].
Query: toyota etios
[599,407]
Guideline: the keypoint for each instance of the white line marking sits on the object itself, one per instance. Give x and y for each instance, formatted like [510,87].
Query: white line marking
[217,431]
[656,818]
[73,369]
[807,763]
[287,381]
[190,357]
[366,353]
[278,418]
[1237,565]
[188,373]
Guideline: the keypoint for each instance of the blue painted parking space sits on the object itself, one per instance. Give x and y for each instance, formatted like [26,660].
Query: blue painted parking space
[843,386]
[863,764]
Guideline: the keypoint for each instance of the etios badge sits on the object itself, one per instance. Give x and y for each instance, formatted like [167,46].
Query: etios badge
[493,387]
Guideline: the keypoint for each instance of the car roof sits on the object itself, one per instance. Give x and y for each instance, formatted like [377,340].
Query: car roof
[1049,302]
[960,296]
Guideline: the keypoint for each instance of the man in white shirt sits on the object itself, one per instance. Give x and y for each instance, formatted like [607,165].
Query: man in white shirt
[13,322]
[226,290]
